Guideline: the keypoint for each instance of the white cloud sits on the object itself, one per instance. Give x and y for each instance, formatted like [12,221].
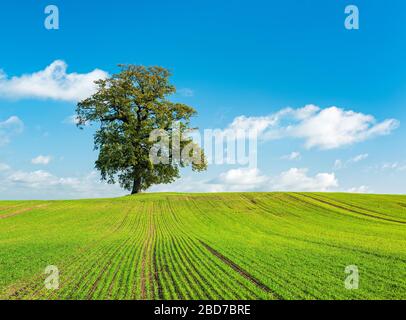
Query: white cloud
[360,189]
[263,124]
[393,166]
[250,179]
[4,167]
[188,184]
[43,160]
[242,178]
[9,128]
[51,83]
[33,179]
[359,158]
[234,180]
[260,124]
[292,156]
[390,165]
[327,128]
[42,184]
[297,180]
[334,127]
[339,164]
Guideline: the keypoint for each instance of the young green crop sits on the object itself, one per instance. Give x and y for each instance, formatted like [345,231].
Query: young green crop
[205,246]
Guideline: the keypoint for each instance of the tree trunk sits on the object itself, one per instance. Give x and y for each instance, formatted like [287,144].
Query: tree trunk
[136,186]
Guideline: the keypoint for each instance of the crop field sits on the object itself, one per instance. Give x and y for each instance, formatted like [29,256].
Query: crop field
[205,246]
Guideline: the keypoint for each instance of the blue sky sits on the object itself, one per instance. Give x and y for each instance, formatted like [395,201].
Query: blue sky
[229,59]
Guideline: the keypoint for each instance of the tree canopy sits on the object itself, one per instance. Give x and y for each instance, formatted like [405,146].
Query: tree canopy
[133,112]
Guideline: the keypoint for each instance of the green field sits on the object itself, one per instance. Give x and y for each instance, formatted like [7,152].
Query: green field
[205,246]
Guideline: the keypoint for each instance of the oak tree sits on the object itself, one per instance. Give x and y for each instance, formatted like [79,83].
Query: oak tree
[128,107]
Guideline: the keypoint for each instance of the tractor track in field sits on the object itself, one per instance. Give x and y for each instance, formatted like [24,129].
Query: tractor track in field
[402,204]
[9,207]
[156,272]
[241,271]
[351,210]
[143,267]
[154,262]
[191,249]
[355,206]
[189,257]
[18,212]
[219,267]
[148,257]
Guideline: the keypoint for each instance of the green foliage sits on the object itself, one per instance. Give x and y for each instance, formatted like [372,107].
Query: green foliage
[155,246]
[129,106]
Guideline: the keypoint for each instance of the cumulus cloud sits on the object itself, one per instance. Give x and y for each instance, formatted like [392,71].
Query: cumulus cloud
[250,179]
[189,184]
[327,128]
[41,184]
[259,124]
[35,179]
[334,127]
[245,176]
[51,83]
[43,160]
[234,180]
[9,128]
[242,179]
[268,127]
[296,179]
